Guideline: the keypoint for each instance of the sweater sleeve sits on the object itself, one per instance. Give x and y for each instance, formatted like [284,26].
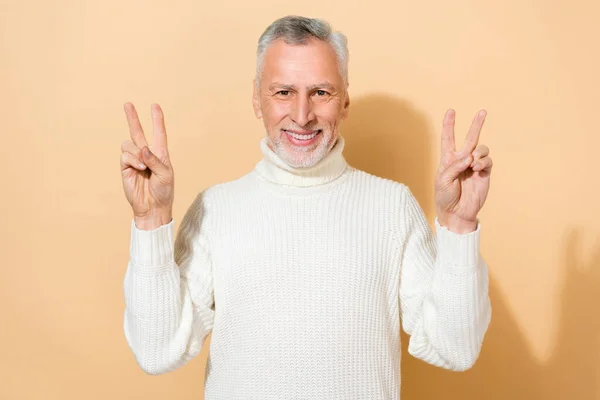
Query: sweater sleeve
[443,291]
[169,303]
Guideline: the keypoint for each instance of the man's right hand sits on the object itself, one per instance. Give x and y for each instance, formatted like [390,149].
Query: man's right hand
[147,172]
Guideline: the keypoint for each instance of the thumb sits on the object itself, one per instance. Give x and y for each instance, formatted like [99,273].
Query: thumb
[458,167]
[152,162]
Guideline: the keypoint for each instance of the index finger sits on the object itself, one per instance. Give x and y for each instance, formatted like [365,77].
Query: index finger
[474,131]
[448,132]
[135,127]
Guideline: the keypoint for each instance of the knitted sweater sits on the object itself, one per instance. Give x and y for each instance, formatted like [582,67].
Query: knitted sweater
[304,277]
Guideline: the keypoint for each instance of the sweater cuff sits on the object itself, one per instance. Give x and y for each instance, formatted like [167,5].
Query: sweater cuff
[152,252]
[458,250]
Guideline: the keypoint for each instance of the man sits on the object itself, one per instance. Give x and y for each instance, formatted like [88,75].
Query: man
[303,268]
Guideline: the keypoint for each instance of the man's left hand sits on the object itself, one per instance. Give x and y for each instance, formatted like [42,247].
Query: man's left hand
[463,179]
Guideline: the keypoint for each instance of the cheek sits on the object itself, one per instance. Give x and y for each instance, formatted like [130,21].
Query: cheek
[329,115]
[274,113]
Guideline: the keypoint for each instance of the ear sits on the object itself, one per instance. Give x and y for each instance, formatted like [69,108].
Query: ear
[256,100]
[346,105]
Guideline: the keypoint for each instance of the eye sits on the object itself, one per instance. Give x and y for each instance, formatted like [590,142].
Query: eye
[321,93]
[283,92]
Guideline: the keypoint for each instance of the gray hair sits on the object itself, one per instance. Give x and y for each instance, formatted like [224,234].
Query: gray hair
[297,30]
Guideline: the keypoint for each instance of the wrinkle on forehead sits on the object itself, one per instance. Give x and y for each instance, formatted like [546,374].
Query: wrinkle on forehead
[303,65]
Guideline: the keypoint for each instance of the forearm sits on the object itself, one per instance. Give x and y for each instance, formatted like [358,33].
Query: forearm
[455,316]
[456,309]
[158,315]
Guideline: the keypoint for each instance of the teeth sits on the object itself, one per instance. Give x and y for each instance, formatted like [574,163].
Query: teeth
[302,137]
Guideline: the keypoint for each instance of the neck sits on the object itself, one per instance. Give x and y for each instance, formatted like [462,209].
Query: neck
[274,169]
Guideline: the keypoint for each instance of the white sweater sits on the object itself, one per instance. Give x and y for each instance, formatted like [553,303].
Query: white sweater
[303,277]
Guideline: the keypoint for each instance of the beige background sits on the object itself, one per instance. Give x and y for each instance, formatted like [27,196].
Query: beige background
[67,67]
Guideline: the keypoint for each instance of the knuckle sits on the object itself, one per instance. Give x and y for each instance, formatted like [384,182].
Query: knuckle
[130,147]
[124,159]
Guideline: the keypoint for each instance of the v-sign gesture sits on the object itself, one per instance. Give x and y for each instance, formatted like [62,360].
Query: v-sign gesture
[463,179]
[147,172]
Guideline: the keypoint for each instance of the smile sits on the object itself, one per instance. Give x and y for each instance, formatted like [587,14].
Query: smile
[304,135]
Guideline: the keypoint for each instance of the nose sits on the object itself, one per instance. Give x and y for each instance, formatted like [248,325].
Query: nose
[302,110]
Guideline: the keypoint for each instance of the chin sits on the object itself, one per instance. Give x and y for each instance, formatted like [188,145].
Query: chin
[299,157]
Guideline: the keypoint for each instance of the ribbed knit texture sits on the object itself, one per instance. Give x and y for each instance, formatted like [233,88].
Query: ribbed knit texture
[304,278]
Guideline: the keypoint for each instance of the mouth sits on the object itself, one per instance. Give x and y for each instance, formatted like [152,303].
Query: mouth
[302,137]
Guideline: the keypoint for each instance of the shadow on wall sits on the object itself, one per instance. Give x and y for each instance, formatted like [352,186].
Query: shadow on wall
[388,137]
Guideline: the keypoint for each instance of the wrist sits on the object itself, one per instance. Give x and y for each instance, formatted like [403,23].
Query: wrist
[456,224]
[152,221]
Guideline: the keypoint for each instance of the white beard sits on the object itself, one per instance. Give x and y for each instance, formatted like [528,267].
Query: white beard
[301,157]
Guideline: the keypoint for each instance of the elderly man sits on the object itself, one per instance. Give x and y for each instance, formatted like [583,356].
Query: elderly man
[303,268]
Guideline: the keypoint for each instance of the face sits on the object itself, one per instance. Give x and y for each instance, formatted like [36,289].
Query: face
[302,99]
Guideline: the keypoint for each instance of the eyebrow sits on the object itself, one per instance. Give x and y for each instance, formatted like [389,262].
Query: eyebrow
[282,86]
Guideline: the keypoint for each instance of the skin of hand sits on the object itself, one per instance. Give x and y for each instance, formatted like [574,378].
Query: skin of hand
[147,172]
[463,179]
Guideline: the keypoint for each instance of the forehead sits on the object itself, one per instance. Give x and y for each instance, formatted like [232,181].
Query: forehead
[300,64]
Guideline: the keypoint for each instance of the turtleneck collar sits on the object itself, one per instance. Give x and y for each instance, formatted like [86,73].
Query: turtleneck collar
[274,169]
